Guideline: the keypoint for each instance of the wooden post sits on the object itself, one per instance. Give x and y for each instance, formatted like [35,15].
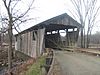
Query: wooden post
[67,39]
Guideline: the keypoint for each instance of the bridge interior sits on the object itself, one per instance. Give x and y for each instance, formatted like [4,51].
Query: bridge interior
[60,36]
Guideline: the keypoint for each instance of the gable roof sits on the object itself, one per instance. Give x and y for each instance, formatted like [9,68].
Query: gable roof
[63,19]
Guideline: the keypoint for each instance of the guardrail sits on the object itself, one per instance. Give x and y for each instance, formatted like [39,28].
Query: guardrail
[50,72]
[89,51]
[49,64]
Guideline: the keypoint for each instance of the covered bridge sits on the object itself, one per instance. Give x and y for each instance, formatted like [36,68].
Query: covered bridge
[57,32]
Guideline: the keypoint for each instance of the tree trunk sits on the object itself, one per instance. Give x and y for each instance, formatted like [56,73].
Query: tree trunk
[10,47]
[87,43]
[84,40]
[81,37]
[88,39]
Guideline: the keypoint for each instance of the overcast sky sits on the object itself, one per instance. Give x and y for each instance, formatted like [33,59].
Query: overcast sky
[43,10]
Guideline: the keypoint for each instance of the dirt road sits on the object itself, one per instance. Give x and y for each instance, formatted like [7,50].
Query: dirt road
[73,63]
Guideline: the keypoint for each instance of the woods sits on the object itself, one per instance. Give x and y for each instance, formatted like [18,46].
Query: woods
[86,13]
[11,20]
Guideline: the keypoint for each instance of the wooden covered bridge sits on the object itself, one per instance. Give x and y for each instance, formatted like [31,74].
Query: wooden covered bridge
[47,34]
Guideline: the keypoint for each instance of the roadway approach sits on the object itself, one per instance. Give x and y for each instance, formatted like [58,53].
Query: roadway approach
[76,63]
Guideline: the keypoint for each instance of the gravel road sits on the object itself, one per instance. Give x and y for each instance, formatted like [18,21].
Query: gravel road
[73,63]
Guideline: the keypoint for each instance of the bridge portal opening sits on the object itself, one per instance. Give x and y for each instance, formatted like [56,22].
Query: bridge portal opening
[60,36]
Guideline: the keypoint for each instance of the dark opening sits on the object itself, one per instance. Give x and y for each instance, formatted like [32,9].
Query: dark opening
[34,35]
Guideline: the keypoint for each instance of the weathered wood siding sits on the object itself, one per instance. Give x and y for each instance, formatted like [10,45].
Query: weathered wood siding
[25,42]
[31,41]
[41,39]
[27,45]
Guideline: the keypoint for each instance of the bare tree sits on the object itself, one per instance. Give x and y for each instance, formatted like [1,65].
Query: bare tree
[92,16]
[2,32]
[86,12]
[14,17]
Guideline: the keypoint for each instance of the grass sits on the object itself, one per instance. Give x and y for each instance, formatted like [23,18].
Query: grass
[35,68]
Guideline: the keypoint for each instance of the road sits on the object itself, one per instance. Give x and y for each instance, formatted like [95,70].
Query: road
[73,63]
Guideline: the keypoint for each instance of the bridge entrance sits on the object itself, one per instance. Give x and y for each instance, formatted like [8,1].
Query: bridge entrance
[60,36]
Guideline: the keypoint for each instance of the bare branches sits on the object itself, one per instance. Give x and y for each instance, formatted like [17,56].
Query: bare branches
[5,3]
[92,16]
[9,4]
[14,7]
[23,14]
[13,20]
[13,16]
[87,11]
[27,9]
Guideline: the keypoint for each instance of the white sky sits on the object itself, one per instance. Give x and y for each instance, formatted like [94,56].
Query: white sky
[43,10]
